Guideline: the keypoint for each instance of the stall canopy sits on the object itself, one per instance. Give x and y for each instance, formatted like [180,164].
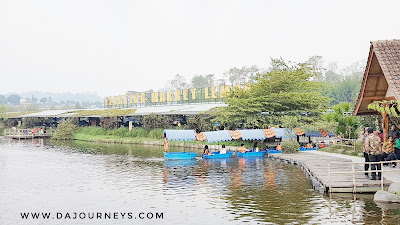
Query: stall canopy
[331,134]
[182,135]
[283,133]
[313,134]
[217,136]
[255,134]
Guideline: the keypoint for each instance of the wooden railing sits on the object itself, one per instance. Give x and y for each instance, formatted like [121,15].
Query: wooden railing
[353,171]
[28,132]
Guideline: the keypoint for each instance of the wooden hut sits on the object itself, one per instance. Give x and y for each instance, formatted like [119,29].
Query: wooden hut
[381,79]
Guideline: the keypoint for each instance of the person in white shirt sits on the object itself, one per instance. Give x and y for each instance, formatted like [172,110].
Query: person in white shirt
[223,150]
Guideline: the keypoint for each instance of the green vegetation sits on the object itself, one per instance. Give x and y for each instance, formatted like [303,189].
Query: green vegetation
[290,147]
[345,125]
[104,113]
[347,150]
[65,130]
[6,115]
[287,90]
[121,135]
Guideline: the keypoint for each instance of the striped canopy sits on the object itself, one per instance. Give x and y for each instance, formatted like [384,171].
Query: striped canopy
[182,135]
[217,136]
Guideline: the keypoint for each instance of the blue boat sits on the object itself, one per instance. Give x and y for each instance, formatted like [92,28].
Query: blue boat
[250,154]
[217,155]
[307,149]
[273,151]
[179,155]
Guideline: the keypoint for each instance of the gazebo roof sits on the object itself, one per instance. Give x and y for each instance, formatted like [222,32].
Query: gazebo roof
[381,79]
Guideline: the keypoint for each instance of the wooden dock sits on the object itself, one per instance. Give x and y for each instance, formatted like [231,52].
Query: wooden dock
[334,174]
[27,134]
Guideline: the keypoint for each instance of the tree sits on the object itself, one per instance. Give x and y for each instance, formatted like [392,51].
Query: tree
[3,100]
[200,81]
[78,105]
[344,91]
[317,63]
[43,100]
[287,89]
[50,100]
[34,100]
[347,124]
[178,83]
[242,75]
[13,99]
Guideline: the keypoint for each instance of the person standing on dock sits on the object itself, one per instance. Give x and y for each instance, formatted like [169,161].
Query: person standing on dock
[374,149]
[366,166]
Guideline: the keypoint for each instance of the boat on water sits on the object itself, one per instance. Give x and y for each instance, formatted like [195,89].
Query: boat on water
[251,154]
[179,155]
[273,151]
[217,155]
[307,149]
[182,135]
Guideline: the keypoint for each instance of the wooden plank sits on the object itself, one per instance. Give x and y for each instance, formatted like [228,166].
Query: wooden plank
[340,182]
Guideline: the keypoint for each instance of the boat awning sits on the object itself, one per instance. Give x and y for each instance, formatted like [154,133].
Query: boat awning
[255,134]
[217,136]
[282,133]
[313,134]
[182,135]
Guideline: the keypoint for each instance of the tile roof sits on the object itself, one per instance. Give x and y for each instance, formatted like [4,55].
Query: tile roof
[388,54]
[269,133]
[383,62]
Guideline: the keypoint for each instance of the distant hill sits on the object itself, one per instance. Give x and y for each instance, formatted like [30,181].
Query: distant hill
[66,96]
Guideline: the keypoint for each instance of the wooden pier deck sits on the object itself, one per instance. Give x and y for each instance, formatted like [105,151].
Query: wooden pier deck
[26,134]
[317,166]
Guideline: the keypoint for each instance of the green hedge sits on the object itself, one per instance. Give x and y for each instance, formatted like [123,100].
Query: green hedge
[290,147]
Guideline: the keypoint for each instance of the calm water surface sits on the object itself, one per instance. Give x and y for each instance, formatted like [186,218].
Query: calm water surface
[68,177]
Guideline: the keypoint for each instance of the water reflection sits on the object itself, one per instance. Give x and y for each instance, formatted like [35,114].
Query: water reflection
[87,176]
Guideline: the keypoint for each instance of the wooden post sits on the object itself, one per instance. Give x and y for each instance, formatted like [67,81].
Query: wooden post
[386,128]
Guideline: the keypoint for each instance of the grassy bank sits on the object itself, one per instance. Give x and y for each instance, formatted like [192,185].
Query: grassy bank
[346,150]
[141,136]
[120,135]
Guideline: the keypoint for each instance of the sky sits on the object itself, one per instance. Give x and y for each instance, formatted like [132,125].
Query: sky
[111,47]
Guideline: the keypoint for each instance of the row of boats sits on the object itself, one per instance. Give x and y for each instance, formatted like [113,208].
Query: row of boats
[213,155]
[228,154]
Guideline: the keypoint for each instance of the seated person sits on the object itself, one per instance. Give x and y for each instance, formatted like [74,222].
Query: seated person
[387,149]
[206,151]
[223,150]
[279,147]
[309,145]
[255,148]
[242,149]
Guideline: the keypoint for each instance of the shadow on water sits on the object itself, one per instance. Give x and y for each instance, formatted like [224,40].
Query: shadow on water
[254,190]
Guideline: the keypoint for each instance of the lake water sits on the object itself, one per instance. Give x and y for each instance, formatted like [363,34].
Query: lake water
[63,178]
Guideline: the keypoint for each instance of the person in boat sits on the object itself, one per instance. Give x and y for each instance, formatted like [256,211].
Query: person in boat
[309,145]
[242,149]
[223,150]
[255,148]
[206,151]
[279,147]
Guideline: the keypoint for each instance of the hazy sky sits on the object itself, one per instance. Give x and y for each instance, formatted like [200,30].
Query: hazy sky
[110,47]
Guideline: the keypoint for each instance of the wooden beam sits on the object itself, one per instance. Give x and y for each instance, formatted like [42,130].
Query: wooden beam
[375,75]
[371,91]
[378,98]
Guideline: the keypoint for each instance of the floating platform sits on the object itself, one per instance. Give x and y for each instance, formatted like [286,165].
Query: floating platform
[316,167]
